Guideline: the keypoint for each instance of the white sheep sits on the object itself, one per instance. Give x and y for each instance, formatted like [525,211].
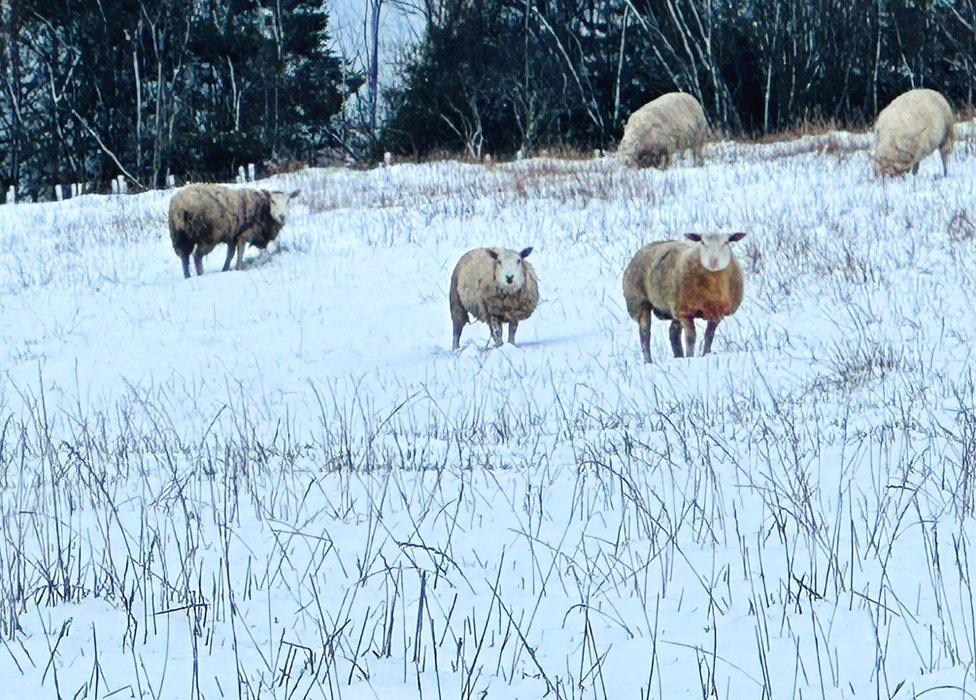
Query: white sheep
[914,125]
[495,285]
[681,281]
[672,123]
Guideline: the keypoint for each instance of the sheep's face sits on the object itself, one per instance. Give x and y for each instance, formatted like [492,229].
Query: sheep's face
[653,157]
[715,249]
[509,269]
[885,167]
[280,202]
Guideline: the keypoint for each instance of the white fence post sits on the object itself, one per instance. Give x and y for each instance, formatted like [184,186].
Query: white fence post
[388,159]
[250,172]
[12,195]
[58,192]
[170,180]
[240,174]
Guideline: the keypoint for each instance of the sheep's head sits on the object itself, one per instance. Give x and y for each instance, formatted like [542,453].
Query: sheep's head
[280,202]
[715,249]
[654,157]
[509,268]
[887,167]
[891,158]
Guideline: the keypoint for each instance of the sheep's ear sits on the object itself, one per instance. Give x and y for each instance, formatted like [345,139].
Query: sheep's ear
[491,253]
[696,237]
[737,236]
[525,252]
[294,193]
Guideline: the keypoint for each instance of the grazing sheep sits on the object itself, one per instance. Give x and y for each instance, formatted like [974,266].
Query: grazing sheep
[495,285]
[670,124]
[914,125]
[681,281]
[202,216]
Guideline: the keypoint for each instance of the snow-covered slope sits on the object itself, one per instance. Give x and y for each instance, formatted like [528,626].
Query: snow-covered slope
[281,483]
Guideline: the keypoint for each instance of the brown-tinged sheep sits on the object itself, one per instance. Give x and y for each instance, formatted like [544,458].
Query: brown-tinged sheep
[914,125]
[670,124]
[202,216]
[495,285]
[680,281]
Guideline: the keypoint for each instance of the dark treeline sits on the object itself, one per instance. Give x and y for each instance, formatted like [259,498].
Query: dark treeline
[500,75]
[92,89]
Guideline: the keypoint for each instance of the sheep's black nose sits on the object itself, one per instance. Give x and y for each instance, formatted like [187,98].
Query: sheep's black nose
[509,278]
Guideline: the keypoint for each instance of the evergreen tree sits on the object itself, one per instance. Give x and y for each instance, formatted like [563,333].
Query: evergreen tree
[308,86]
[144,88]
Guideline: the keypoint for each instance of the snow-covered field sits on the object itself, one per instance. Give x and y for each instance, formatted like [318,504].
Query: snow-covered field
[281,483]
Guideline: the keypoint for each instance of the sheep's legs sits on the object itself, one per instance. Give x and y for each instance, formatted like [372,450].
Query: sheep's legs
[459,315]
[512,327]
[709,336]
[699,157]
[495,324]
[675,334]
[198,263]
[241,245]
[230,256]
[458,326]
[644,323]
[185,259]
[689,326]
[915,169]
[945,161]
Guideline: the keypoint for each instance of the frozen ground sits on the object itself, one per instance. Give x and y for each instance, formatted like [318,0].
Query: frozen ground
[281,483]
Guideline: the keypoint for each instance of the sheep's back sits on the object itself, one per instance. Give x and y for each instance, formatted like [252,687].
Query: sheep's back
[649,279]
[912,126]
[473,280]
[673,122]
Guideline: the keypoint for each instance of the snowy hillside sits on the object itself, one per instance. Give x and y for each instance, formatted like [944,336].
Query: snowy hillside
[280,482]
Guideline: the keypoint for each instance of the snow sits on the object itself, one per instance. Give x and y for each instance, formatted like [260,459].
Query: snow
[281,482]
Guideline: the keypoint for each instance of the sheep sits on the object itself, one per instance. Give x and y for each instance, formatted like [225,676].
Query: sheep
[670,124]
[914,125]
[495,285]
[201,216]
[680,281]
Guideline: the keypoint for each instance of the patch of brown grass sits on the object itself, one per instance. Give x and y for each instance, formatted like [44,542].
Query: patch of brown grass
[816,127]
